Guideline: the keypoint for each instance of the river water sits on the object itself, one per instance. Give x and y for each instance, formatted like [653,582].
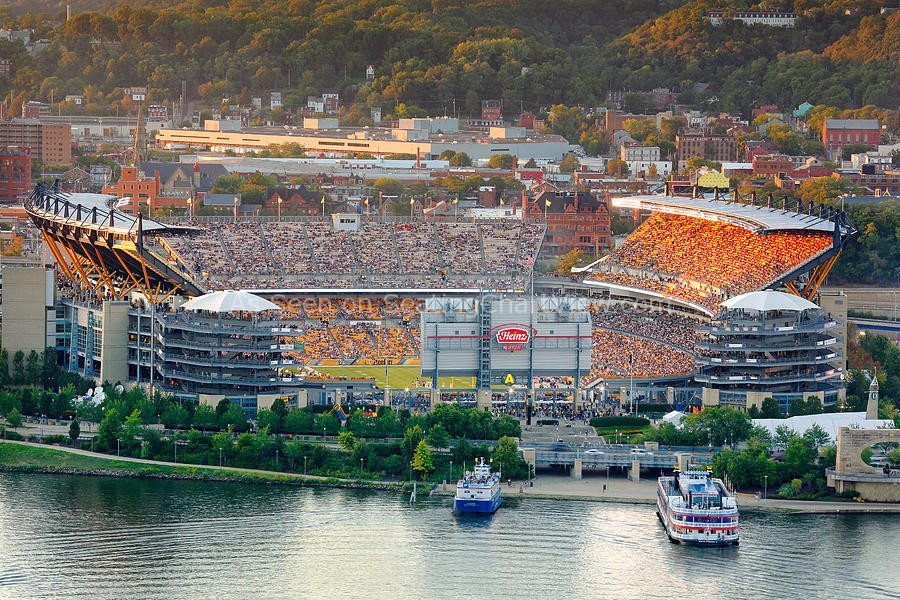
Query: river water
[66,537]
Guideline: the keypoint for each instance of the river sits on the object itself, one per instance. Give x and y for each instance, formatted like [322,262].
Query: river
[65,537]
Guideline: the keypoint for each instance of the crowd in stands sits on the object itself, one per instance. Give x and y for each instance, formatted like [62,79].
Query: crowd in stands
[620,356]
[669,328]
[252,254]
[706,261]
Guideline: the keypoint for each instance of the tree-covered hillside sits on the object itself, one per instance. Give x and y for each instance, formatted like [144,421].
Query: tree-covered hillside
[448,55]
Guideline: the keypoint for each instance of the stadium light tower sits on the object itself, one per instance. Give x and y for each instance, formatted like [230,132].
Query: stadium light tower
[279,208]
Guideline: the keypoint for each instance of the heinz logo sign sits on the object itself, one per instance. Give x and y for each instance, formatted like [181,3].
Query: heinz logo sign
[513,338]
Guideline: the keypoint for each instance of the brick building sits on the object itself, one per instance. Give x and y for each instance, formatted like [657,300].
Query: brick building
[837,133]
[718,148]
[15,174]
[142,189]
[575,220]
[50,143]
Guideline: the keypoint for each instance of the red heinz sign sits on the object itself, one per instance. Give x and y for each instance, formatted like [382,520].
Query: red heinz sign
[513,338]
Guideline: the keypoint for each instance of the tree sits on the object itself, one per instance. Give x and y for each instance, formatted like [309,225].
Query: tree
[14,418]
[783,436]
[279,408]
[175,416]
[109,431]
[438,437]
[770,409]
[566,121]
[569,163]
[460,159]
[797,458]
[500,161]
[570,259]
[816,437]
[74,430]
[463,452]
[617,167]
[204,417]
[422,461]
[411,439]
[235,418]
[18,376]
[347,441]
[506,454]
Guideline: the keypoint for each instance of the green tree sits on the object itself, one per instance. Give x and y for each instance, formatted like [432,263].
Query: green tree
[797,458]
[422,461]
[235,418]
[411,439]
[463,452]
[816,437]
[438,437]
[14,418]
[109,431]
[18,376]
[74,430]
[347,441]
[770,409]
[175,416]
[204,417]
[506,455]
[566,121]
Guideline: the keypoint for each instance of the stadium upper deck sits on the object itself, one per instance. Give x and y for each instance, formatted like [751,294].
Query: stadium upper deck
[698,251]
[113,253]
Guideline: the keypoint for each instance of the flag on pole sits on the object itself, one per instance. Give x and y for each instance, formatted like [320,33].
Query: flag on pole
[412,201]
[547,203]
[367,200]
[323,199]
[456,200]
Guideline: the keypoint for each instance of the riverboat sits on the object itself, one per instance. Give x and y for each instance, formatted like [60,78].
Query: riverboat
[478,492]
[696,508]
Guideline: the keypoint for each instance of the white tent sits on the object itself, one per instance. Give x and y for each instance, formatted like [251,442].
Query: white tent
[674,417]
[229,301]
[767,300]
[830,422]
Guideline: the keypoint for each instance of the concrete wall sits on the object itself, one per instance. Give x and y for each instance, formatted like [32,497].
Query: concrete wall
[27,298]
[114,340]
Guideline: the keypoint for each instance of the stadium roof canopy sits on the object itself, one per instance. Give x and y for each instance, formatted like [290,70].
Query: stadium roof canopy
[755,218]
[767,300]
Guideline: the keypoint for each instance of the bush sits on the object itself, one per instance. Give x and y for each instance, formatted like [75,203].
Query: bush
[619,422]
[548,422]
[12,435]
[849,494]
[646,407]
[56,439]
[786,491]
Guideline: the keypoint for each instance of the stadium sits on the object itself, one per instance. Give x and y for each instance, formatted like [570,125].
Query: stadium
[366,306]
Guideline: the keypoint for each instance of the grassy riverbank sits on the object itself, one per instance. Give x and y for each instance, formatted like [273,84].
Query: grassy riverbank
[22,458]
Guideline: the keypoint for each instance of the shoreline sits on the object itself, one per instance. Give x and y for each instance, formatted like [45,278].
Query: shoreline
[547,486]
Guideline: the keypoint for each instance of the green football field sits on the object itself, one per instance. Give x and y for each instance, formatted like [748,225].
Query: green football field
[399,376]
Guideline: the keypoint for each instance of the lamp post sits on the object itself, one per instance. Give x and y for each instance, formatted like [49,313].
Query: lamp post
[323,436]
[360,464]
[766,488]
[279,209]
[118,443]
[304,464]
[237,200]
[220,457]
[178,443]
[276,460]
[451,472]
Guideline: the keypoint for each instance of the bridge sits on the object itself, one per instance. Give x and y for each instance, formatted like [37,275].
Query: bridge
[599,457]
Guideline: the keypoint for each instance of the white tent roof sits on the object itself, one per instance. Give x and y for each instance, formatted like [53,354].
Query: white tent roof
[768,300]
[674,417]
[229,301]
[830,422]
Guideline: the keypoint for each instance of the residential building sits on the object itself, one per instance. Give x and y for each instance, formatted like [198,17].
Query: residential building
[880,184]
[15,174]
[718,148]
[34,110]
[50,143]
[837,133]
[575,220]
[5,67]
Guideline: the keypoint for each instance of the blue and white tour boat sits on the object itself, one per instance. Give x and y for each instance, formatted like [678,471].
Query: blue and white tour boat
[478,491]
[696,508]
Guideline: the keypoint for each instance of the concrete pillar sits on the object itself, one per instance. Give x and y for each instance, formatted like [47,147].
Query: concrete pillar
[683,461]
[578,399]
[483,400]
[576,469]
[528,455]
[435,397]
[635,473]
[114,346]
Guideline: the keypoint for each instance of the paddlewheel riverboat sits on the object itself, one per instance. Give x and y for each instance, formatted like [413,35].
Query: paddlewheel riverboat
[696,508]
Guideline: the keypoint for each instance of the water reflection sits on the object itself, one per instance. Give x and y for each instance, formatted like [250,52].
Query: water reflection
[63,537]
